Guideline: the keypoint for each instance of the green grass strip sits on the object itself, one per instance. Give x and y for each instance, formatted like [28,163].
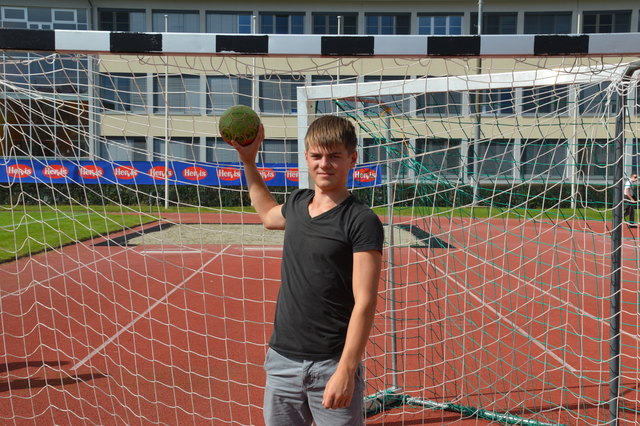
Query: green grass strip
[26,233]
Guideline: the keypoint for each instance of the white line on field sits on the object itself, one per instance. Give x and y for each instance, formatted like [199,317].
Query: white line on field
[142,315]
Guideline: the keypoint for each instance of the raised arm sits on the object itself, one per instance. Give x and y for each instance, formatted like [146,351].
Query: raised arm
[266,206]
[366,275]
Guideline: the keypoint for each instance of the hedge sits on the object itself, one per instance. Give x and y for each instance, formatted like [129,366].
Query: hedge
[532,196]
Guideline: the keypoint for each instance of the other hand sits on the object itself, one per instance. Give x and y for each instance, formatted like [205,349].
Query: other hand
[339,391]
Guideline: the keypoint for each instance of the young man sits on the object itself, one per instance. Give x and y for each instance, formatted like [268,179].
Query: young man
[331,265]
[630,202]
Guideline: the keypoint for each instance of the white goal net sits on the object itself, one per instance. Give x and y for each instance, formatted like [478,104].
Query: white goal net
[139,287]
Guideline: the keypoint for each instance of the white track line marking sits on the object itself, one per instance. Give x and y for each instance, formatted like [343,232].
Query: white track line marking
[501,317]
[160,251]
[126,327]
[275,248]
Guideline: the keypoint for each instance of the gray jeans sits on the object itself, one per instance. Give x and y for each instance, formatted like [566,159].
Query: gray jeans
[294,390]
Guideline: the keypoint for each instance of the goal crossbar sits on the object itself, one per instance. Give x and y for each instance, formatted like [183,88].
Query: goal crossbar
[310,45]
[469,82]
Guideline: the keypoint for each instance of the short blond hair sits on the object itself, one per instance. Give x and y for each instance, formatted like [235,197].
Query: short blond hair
[330,131]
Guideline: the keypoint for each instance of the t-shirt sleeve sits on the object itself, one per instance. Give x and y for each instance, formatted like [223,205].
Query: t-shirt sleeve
[367,232]
[290,199]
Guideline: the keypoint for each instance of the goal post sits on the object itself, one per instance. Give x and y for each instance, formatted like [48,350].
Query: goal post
[137,272]
[408,124]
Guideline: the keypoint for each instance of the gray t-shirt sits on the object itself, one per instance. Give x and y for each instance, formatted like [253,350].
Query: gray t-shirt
[316,296]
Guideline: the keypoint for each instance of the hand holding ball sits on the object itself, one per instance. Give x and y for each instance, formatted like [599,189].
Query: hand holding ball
[239,123]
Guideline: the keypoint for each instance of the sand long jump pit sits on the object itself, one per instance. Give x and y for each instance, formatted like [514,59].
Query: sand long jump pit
[201,234]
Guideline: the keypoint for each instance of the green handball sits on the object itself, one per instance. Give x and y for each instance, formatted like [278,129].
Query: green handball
[239,123]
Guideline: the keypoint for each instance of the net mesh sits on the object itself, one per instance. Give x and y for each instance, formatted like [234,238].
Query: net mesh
[140,287]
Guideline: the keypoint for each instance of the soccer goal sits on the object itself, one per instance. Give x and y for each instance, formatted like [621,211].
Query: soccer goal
[522,148]
[139,287]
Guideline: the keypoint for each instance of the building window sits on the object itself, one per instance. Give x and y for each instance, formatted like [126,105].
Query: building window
[386,23]
[182,95]
[543,159]
[278,93]
[440,24]
[282,23]
[494,159]
[13,17]
[373,151]
[327,23]
[332,106]
[65,19]
[121,20]
[547,22]
[64,74]
[441,104]
[229,22]
[224,92]
[495,23]
[439,158]
[618,21]
[124,149]
[218,151]
[596,159]
[597,100]
[124,92]
[45,128]
[43,18]
[281,151]
[386,105]
[391,154]
[178,21]
[180,149]
[545,100]
[494,102]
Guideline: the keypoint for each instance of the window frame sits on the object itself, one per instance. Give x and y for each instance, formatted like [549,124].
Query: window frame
[616,15]
[540,15]
[242,94]
[289,106]
[299,27]
[328,24]
[186,108]
[496,148]
[433,26]
[236,15]
[139,80]
[558,104]
[448,169]
[487,17]
[555,169]
[171,12]
[113,11]
[380,25]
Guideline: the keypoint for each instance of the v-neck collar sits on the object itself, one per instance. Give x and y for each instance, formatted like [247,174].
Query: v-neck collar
[325,213]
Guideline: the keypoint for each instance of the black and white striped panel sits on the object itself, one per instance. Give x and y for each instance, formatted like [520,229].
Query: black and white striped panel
[320,45]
